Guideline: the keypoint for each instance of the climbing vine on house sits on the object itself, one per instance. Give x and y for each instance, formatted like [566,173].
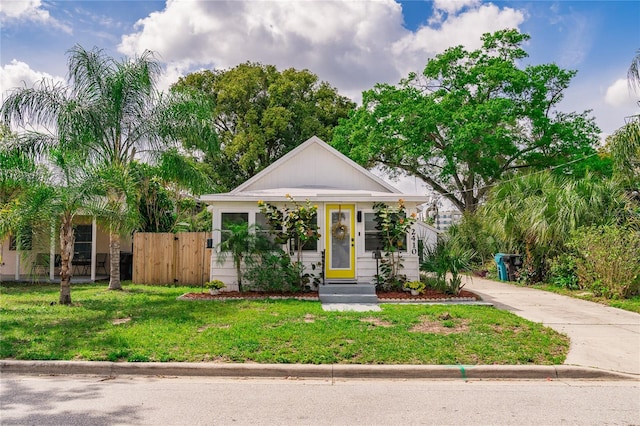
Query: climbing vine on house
[393,224]
[296,223]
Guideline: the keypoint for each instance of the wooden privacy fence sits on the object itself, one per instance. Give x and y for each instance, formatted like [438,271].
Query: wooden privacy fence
[162,258]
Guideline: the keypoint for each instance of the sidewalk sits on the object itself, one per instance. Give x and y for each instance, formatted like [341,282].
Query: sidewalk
[601,337]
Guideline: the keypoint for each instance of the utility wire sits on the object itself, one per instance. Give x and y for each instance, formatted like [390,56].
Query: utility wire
[516,177]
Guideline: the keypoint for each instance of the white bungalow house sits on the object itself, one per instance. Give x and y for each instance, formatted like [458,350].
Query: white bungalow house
[342,190]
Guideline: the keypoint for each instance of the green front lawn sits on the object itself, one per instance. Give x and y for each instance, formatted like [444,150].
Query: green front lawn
[147,323]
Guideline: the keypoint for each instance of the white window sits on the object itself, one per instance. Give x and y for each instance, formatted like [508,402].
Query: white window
[264,228]
[373,236]
[229,219]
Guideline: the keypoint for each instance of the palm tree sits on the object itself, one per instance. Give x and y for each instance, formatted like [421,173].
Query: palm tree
[535,214]
[110,112]
[46,197]
[65,196]
[633,74]
[625,142]
[17,173]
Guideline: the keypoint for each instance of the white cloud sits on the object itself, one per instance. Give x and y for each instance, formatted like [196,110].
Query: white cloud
[454,6]
[23,9]
[18,74]
[464,29]
[619,94]
[29,10]
[578,35]
[352,44]
[609,105]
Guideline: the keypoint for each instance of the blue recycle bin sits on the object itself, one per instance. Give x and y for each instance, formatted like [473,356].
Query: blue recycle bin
[503,274]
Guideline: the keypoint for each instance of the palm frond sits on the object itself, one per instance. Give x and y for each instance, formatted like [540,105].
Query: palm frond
[633,74]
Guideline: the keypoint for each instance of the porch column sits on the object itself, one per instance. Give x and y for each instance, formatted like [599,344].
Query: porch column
[17,274]
[94,238]
[213,257]
[52,253]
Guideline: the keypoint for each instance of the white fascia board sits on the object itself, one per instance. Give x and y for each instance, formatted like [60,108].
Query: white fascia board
[215,198]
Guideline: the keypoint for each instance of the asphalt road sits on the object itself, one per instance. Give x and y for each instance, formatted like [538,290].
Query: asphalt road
[142,400]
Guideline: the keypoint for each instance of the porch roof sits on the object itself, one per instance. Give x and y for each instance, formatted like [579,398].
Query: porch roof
[313,193]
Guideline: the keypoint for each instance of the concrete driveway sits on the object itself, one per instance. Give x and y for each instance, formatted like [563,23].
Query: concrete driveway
[601,337]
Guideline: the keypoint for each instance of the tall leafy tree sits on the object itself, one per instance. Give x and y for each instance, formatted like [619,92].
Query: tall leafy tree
[261,114]
[167,192]
[110,112]
[471,119]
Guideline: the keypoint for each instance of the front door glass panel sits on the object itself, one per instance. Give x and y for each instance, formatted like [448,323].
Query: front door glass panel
[340,241]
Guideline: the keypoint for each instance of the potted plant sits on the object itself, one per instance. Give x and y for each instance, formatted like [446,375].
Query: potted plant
[416,287]
[214,286]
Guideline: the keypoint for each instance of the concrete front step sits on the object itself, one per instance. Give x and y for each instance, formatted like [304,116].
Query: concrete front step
[349,298]
[347,293]
[362,288]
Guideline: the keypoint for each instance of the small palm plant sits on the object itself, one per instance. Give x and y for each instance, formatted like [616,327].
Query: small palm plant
[445,258]
[240,241]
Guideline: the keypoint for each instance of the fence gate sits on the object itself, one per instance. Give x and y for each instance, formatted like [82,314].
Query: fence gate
[165,258]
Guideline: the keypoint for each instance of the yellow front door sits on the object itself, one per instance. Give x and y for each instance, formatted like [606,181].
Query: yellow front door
[340,241]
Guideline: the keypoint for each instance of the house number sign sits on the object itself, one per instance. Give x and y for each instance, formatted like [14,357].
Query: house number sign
[414,244]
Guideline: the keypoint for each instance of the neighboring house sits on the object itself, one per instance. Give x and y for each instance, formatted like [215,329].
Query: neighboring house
[427,234]
[342,190]
[33,263]
[445,219]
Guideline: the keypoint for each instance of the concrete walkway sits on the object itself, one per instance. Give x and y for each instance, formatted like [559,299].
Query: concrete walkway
[351,307]
[601,337]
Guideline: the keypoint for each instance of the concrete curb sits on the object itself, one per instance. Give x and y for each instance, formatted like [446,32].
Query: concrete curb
[309,371]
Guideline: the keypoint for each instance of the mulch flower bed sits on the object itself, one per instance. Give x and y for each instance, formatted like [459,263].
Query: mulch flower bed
[226,295]
[387,296]
[428,296]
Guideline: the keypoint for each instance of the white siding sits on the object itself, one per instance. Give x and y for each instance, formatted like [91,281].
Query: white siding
[313,167]
[365,264]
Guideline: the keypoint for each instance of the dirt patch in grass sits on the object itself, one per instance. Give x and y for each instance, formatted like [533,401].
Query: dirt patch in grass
[441,326]
[377,322]
[504,329]
[119,321]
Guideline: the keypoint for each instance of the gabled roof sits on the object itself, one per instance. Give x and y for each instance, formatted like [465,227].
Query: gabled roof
[314,170]
[308,156]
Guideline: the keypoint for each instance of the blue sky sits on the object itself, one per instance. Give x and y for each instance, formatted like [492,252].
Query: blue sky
[350,44]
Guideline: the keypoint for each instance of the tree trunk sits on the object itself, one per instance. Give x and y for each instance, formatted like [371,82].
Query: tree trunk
[238,263]
[67,241]
[470,201]
[114,267]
